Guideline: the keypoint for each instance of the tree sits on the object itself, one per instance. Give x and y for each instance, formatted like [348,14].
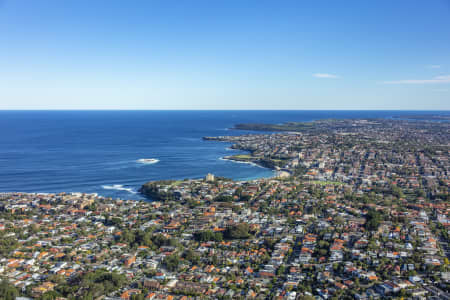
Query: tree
[245,198]
[127,237]
[397,192]
[7,244]
[171,262]
[239,231]
[8,291]
[191,256]
[323,252]
[208,235]
[97,283]
[373,219]
[137,297]
[115,221]
[281,270]
[269,243]
[224,198]
[50,295]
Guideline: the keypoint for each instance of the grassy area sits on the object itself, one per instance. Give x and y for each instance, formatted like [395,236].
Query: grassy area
[243,156]
[278,160]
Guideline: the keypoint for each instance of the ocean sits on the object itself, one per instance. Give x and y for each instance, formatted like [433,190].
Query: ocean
[99,151]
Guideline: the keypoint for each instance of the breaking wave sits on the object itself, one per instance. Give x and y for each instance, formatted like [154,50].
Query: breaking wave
[119,187]
[148,161]
[242,162]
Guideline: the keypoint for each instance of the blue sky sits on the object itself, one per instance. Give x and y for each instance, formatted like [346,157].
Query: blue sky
[225,54]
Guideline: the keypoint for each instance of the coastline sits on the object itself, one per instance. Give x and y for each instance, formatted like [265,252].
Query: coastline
[50,171]
[228,158]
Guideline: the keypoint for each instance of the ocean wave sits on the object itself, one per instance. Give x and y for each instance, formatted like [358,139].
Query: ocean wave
[148,161]
[119,187]
[242,162]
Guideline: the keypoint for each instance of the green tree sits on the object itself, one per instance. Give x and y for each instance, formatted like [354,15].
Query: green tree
[50,295]
[373,219]
[208,235]
[191,256]
[171,262]
[239,231]
[8,291]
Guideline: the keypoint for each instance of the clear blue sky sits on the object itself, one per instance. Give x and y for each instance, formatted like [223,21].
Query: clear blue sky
[225,54]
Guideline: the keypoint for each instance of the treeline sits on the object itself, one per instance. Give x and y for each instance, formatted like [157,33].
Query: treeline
[208,235]
[238,231]
[136,238]
[90,285]
[230,198]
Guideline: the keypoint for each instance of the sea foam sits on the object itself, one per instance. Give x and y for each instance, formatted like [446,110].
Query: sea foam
[147,161]
[242,162]
[119,187]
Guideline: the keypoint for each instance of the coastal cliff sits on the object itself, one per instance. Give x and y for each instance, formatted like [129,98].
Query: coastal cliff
[154,191]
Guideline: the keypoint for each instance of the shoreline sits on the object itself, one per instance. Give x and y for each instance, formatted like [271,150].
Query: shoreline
[136,191]
[255,164]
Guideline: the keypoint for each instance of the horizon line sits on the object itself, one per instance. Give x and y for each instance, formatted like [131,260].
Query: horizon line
[113,109]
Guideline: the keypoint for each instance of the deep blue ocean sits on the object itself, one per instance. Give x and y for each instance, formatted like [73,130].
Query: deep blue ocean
[98,151]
